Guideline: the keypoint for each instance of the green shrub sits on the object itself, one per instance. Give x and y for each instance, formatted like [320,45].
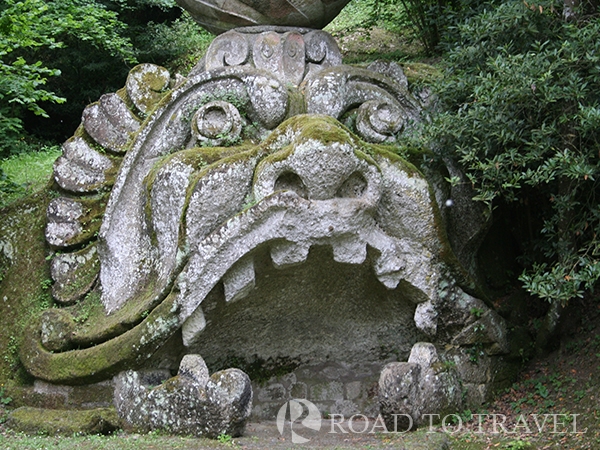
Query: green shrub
[522,117]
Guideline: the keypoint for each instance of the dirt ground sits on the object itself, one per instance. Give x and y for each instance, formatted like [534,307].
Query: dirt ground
[366,435]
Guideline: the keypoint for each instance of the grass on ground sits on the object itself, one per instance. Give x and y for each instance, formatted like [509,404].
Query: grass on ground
[27,173]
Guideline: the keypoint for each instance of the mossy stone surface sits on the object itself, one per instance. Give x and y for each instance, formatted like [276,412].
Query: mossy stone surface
[63,422]
[102,361]
[25,284]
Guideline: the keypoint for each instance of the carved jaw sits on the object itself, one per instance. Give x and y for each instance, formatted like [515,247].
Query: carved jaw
[290,225]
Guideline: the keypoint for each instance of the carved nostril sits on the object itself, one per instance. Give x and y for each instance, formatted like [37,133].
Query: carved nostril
[289,181]
[353,187]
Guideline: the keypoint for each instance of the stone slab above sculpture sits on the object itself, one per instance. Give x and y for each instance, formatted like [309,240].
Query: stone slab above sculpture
[220,16]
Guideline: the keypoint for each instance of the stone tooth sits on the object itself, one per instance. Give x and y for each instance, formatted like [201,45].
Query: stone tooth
[193,326]
[389,268]
[349,249]
[288,253]
[239,279]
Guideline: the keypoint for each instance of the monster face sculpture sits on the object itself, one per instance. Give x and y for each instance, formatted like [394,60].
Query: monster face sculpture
[244,222]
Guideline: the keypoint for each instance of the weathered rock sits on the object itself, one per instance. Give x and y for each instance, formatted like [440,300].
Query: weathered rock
[440,387]
[74,274]
[64,222]
[333,90]
[81,168]
[411,391]
[73,221]
[466,220]
[379,121]
[109,122]
[218,17]
[56,329]
[189,403]
[488,329]
[146,85]
[390,69]
[216,124]
[399,399]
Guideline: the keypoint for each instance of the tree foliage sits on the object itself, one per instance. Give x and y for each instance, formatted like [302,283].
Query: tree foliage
[58,56]
[522,117]
[30,27]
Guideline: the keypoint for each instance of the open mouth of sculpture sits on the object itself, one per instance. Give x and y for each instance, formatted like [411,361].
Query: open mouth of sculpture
[317,311]
[298,208]
[282,229]
[306,322]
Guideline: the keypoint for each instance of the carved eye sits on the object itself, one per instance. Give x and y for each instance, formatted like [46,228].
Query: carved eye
[217,123]
[289,181]
[353,187]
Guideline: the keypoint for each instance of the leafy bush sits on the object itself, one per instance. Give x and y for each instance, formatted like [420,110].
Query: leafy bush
[56,57]
[434,20]
[30,32]
[176,45]
[522,117]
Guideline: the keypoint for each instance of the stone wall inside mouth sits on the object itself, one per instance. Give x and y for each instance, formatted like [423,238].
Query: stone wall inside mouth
[321,330]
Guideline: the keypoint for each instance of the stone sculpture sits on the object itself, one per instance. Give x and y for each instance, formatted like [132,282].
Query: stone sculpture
[252,214]
[191,403]
[423,386]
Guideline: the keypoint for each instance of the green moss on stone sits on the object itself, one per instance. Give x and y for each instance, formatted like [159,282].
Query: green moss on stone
[54,422]
[104,360]
[93,210]
[24,288]
[81,280]
[94,326]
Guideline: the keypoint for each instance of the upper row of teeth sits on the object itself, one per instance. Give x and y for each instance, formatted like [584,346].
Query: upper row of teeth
[240,278]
